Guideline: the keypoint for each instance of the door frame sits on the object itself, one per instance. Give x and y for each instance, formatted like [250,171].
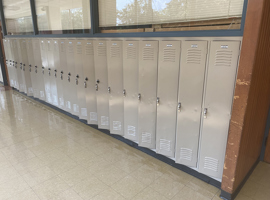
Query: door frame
[3,59]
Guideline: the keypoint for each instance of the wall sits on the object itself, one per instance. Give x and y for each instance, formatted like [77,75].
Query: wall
[252,97]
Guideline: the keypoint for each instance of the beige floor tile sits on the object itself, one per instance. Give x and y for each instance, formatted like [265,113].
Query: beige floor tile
[149,194]
[62,165]
[82,156]
[29,165]
[128,165]
[7,172]
[241,197]
[52,156]
[108,194]
[68,195]
[21,156]
[188,194]
[128,187]
[25,195]
[70,148]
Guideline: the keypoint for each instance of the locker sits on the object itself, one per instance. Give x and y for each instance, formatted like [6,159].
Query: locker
[148,59]
[191,82]
[38,70]
[89,82]
[31,65]
[13,62]
[221,75]
[19,63]
[79,56]
[56,71]
[168,72]
[62,73]
[115,86]
[8,62]
[70,87]
[101,74]
[45,69]
[53,56]
[130,85]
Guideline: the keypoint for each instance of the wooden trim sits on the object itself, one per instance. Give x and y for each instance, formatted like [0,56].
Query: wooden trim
[124,31]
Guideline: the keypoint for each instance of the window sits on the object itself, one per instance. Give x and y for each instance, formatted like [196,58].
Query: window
[18,17]
[63,16]
[168,15]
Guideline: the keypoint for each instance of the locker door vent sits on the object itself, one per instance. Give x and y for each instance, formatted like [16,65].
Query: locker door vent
[70,49]
[132,130]
[186,154]
[101,50]
[165,145]
[146,137]
[148,53]
[168,55]
[194,56]
[79,49]
[62,47]
[131,53]
[223,58]
[89,50]
[211,164]
[115,51]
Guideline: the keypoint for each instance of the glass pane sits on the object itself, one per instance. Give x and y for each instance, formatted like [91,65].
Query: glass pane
[169,15]
[18,17]
[63,16]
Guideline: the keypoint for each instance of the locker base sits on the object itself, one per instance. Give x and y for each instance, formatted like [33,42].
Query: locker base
[150,152]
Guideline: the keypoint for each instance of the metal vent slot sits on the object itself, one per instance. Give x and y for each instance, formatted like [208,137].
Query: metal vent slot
[165,145]
[146,137]
[132,130]
[194,56]
[70,49]
[79,49]
[131,53]
[101,50]
[186,154]
[62,47]
[148,53]
[115,51]
[89,50]
[211,164]
[223,58]
[169,55]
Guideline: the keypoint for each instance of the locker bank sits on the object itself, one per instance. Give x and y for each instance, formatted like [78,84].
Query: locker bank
[185,88]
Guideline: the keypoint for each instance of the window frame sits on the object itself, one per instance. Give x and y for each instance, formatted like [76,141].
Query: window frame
[95,31]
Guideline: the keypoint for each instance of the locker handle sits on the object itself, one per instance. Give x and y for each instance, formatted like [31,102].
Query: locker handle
[98,81]
[158,100]
[69,77]
[96,87]
[109,89]
[43,70]
[124,93]
[30,68]
[77,81]
[77,76]
[55,73]
[61,76]
[85,82]
[179,107]
[49,71]
[139,96]
[205,113]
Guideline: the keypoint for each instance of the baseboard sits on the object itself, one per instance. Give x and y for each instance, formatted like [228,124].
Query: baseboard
[162,158]
[227,196]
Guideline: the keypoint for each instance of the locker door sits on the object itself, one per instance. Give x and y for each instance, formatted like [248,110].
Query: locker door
[71,91]
[56,72]
[13,63]
[222,67]
[9,67]
[148,59]
[89,82]
[25,71]
[191,81]
[52,56]
[101,74]
[62,74]
[80,48]
[168,72]
[115,86]
[130,85]
[21,80]
[38,69]
[31,65]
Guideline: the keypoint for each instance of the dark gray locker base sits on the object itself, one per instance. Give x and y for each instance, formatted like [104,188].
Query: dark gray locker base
[162,158]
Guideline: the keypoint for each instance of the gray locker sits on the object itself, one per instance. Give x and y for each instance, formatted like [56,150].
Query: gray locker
[9,62]
[70,88]
[221,75]
[21,81]
[168,74]
[31,64]
[89,82]
[14,53]
[101,74]
[130,91]
[148,60]
[53,56]
[79,56]
[191,82]
[38,70]
[62,73]
[45,69]
[115,86]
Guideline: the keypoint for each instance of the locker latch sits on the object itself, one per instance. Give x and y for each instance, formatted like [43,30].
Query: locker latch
[49,71]
[139,96]
[23,67]
[158,101]
[205,113]
[42,70]
[69,77]
[96,87]
[109,89]
[55,73]
[85,82]
[97,81]
[124,93]
[179,107]
[20,65]
[61,76]
[36,69]
[30,68]
[77,81]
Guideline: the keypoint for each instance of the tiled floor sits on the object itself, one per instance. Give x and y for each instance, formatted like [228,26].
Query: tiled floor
[47,155]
